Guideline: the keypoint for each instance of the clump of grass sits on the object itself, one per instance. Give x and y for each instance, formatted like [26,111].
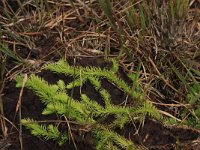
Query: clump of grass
[157,33]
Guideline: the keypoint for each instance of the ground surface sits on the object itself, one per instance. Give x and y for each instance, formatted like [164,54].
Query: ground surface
[41,36]
[151,134]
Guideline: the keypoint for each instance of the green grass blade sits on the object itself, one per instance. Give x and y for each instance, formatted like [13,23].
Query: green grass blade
[9,53]
[107,8]
[178,74]
[142,18]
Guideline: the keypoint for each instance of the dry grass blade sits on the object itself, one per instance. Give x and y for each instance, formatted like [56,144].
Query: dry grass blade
[18,107]
[2,81]
[4,144]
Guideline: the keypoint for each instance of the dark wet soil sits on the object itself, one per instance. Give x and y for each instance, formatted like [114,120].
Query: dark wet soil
[152,134]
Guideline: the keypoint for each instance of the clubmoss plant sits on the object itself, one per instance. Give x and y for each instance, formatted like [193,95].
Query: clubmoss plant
[87,112]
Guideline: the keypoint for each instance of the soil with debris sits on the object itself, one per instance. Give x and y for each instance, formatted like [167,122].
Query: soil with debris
[152,134]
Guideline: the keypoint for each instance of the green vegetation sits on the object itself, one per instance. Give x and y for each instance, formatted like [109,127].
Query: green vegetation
[155,42]
[192,114]
[87,112]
